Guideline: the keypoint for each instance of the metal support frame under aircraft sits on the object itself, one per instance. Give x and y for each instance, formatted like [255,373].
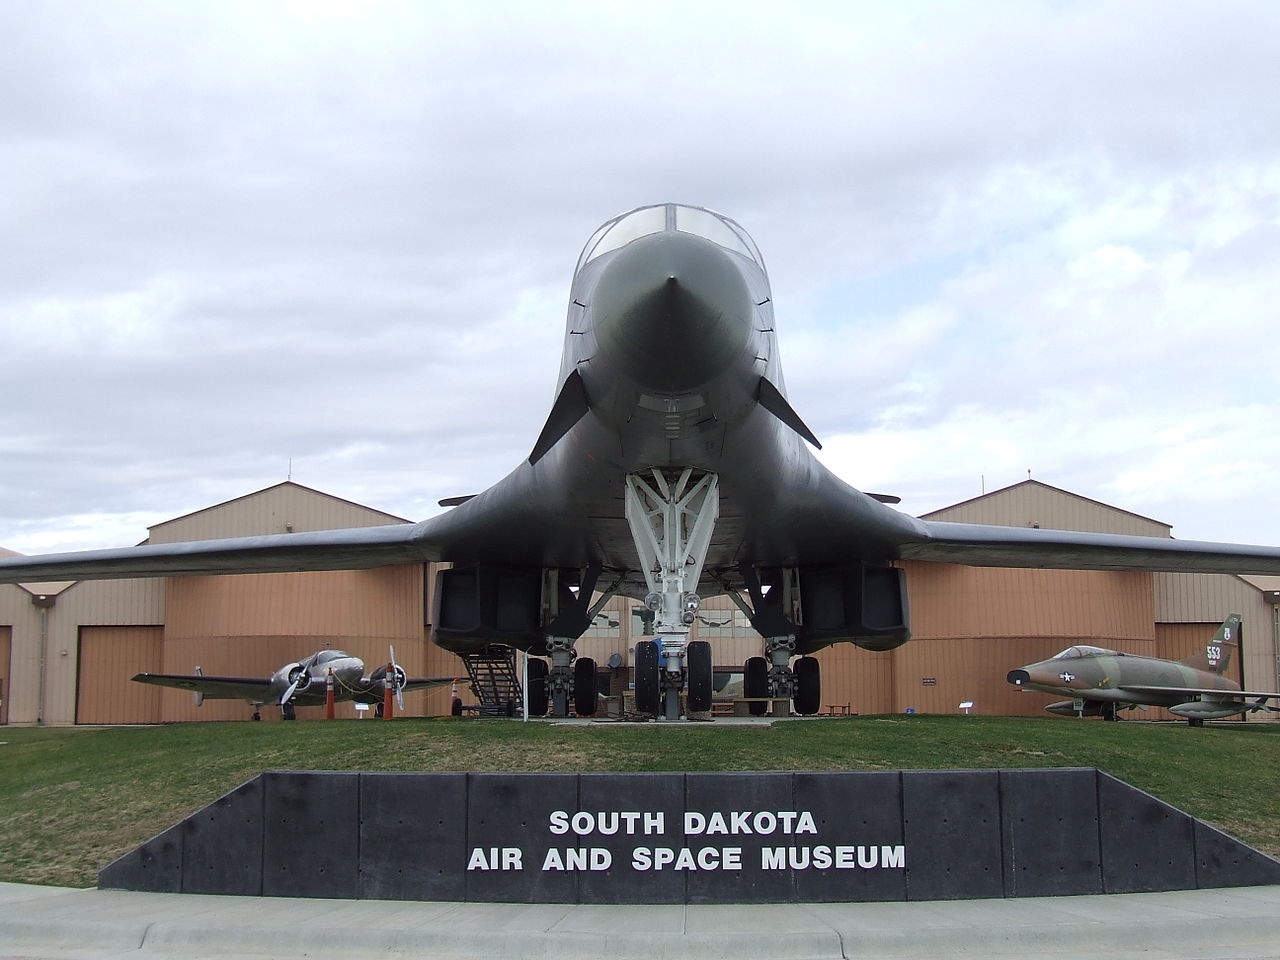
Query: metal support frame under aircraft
[671,467]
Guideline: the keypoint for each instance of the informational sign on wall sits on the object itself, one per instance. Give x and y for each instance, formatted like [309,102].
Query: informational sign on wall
[752,837]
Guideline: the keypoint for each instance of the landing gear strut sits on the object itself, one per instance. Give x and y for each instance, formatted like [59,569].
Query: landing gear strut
[774,676]
[800,683]
[671,515]
[560,679]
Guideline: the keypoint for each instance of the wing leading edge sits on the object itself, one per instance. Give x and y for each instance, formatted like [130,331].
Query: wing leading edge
[359,548]
[347,549]
[211,688]
[984,545]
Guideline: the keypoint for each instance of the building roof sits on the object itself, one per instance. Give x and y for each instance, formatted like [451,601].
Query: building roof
[1033,503]
[283,485]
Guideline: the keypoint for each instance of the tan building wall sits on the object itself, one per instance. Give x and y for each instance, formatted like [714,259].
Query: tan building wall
[972,625]
[954,601]
[45,638]
[1206,599]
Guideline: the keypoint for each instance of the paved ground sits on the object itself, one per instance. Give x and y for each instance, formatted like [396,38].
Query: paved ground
[57,923]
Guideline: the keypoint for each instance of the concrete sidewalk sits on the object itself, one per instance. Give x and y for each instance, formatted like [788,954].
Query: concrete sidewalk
[58,923]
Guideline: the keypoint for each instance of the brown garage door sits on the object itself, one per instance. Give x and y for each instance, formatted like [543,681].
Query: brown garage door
[109,657]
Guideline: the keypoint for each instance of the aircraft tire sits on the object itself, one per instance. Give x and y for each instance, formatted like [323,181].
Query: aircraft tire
[808,696]
[700,679]
[287,712]
[755,683]
[586,690]
[648,685]
[538,699]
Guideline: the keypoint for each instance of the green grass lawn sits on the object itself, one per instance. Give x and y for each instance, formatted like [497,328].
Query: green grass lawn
[72,798]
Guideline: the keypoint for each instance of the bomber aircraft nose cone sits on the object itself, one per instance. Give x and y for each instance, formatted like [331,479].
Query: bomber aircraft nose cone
[1018,677]
[672,311]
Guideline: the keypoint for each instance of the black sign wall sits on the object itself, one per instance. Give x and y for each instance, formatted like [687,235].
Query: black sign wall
[688,838]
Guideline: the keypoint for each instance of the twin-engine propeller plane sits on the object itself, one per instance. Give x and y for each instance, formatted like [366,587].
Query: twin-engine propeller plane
[671,467]
[303,683]
[1101,682]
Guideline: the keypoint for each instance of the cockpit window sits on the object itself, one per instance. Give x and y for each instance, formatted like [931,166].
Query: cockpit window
[620,232]
[328,656]
[644,221]
[1075,653]
[712,226]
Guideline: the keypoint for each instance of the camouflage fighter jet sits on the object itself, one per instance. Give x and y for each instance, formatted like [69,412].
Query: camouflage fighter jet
[1103,682]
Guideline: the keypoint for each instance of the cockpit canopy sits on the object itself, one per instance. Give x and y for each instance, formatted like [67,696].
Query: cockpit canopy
[644,221]
[1081,650]
[325,656]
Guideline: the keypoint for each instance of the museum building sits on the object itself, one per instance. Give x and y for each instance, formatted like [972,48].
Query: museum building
[68,650]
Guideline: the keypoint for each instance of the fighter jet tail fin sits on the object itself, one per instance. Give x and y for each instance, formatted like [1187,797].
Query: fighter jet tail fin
[571,406]
[771,398]
[1216,654]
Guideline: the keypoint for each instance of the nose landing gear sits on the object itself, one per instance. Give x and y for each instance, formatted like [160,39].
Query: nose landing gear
[671,515]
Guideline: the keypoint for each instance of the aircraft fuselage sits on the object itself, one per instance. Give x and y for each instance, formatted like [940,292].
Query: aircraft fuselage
[672,335]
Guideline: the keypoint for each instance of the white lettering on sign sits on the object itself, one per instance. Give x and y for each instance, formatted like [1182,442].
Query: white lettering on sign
[704,858]
[823,857]
[607,822]
[763,823]
[575,858]
[496,858]
[745,821]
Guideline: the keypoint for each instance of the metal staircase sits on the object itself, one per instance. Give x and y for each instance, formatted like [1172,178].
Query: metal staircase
[493,678]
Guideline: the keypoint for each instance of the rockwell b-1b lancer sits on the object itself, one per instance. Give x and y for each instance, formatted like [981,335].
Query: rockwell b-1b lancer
[672,467]
[1101,682]
[303,683]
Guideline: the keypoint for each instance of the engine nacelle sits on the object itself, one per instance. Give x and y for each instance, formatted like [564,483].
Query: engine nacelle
[295,673]
[858,603]
[486,604]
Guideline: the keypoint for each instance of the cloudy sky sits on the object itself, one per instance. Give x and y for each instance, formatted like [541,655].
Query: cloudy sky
[335,238]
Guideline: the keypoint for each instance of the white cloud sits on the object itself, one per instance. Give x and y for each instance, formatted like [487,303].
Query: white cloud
[1007,236]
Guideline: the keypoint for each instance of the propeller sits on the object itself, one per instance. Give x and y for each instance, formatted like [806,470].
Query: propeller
[398,678]
[298,677]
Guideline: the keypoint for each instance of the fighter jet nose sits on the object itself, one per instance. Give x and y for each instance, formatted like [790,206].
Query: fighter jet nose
[672,311]
[1018,677]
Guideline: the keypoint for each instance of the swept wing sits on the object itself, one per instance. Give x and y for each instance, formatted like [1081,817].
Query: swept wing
[986,545]
[1196,691]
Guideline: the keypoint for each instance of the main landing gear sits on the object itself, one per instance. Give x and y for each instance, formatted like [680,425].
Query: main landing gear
[773,679]
[570,681]
[801,683]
